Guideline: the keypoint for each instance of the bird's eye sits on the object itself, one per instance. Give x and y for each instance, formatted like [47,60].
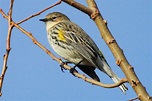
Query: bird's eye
[53,18]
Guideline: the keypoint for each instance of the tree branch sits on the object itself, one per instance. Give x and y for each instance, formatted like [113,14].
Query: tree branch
[118,54]
[79,6]
[5,58]
[38,13]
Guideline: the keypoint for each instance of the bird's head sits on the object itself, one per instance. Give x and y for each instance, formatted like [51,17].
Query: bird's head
[55,17]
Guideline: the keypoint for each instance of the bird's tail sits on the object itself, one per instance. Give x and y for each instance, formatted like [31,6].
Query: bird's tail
[89,70]
[103,66]
[123,87]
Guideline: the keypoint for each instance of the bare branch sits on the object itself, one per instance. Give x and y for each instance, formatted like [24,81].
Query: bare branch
[5,58]
[118,53]
[133,99]
[36,14]
[79,6]
[94,82]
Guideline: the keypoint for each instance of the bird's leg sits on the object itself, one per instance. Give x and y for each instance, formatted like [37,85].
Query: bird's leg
[63,63]
[72,70]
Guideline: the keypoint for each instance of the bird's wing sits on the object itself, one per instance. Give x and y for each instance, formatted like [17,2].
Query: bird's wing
[81,42]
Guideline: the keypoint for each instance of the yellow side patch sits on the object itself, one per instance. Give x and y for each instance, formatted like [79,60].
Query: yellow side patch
[60,35]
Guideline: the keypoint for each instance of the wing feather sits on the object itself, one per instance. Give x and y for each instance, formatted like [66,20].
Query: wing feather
[80,41]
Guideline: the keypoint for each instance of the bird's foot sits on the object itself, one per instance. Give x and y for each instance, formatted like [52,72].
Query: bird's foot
[72,70]
[62,65]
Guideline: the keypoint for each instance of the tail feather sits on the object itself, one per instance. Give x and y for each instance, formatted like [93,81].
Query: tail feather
[123,87]
[104,67]
[89,70]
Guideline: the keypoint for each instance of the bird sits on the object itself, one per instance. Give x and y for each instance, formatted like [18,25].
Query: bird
[74,45]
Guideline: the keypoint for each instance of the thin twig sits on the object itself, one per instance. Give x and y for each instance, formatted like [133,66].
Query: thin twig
[36,14]
[60,61]
[79,6]
[5,58]
[94,82]
[133,99]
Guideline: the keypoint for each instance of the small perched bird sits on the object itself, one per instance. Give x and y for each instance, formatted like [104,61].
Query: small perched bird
[73,44]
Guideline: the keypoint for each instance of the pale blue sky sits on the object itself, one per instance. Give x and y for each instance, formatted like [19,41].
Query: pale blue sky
[33,76]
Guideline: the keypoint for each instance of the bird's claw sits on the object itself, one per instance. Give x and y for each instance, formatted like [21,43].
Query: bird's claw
[62,66]
[72,70]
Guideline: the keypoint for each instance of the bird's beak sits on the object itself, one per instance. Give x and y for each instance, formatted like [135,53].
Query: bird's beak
[44,20]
